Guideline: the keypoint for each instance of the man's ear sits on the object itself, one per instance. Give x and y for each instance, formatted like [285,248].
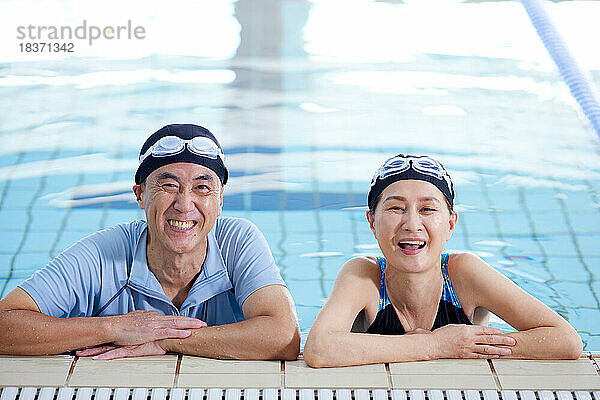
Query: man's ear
[138,190]
[221,201]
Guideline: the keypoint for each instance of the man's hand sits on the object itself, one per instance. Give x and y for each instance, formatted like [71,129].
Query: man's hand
[111,352]
[143,327]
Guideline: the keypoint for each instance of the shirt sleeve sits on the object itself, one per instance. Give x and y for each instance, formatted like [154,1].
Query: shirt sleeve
[253,264]
[67,285]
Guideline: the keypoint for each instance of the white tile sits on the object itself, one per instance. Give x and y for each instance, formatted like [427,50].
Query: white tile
[441,367]
[582,366]
[550,382]
[198,365]
[46,364]
[336,380]
[299,366]
[240,381]
[443,382]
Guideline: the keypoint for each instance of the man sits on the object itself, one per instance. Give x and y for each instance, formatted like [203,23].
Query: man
[185,281]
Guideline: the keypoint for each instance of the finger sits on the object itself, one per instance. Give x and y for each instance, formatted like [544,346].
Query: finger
[172,334]
[488,330]
[119,352]
[492,350]
[496,340]
[93,351]
[186,323]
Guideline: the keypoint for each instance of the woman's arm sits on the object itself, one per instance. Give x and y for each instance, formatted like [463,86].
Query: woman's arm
[542,333]
[331,344]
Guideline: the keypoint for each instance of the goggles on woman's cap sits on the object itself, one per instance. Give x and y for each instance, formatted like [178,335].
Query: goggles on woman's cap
[181,143]
[403,167]
[172,145]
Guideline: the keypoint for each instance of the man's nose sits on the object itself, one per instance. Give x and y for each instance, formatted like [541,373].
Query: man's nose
[184,202]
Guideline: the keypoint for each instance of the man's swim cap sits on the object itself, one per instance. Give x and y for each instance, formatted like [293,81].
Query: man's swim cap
[181,143]
[403,167]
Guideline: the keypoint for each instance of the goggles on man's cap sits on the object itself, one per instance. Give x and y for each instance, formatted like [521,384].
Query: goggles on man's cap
[181,143]
[172,145]
[403,167]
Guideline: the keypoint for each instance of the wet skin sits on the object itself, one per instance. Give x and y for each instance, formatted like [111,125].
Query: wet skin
[412,223]
[182,202]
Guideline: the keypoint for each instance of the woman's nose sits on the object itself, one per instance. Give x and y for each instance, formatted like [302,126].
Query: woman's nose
[411,221]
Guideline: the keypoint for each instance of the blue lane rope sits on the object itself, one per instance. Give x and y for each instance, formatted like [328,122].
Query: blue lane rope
[580,85]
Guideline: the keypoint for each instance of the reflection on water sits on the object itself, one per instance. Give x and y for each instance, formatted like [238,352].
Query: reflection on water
[305,113]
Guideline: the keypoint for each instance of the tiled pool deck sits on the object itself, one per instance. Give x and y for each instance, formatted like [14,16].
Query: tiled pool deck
[172,371]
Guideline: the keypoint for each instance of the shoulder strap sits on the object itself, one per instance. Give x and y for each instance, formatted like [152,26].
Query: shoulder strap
[448,293]
[383,298]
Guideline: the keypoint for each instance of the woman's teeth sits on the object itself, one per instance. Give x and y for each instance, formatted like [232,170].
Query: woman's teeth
[412,244]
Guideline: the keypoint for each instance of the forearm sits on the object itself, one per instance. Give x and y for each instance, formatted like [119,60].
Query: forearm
[26,332]
[336,349]
[258,338]
[546,343]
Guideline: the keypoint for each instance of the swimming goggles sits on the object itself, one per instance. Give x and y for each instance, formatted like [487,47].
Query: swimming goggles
[423,164]
[172,145]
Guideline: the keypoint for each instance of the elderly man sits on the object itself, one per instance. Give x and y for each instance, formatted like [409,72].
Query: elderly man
[185,280]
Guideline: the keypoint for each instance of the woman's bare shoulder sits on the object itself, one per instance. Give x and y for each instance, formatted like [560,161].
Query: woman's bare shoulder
[361,267]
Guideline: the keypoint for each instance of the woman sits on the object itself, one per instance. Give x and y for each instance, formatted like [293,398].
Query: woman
[419,302]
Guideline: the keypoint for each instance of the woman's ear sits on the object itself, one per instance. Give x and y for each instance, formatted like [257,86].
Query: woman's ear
[452,224]
[371,219]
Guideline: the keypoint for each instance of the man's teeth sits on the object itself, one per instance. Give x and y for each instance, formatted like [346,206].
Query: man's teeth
[181,224]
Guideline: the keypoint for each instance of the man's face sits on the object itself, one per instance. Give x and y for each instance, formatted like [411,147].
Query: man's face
[182,202]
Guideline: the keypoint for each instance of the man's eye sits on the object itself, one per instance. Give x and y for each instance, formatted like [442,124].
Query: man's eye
[428,209]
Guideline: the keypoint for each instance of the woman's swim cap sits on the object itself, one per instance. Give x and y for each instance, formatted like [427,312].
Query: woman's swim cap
[403,167]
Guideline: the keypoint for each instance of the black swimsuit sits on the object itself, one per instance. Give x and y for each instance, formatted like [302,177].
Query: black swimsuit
[449,311]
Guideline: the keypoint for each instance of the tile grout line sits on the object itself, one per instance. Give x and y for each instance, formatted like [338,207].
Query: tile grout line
[389,375]
[71,369]
[494,374]
[177,370]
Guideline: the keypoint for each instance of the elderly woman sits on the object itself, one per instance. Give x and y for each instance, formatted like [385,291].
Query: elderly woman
[420,303]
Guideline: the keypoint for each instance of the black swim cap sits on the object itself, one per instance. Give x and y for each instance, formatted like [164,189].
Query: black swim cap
[185,132]
[403,167]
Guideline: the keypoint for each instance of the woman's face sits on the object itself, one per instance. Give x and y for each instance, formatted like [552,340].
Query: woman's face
[412,224]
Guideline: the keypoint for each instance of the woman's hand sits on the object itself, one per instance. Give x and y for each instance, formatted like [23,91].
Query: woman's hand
[471,341]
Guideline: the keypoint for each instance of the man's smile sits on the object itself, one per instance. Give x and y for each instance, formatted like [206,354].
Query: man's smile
[181,225]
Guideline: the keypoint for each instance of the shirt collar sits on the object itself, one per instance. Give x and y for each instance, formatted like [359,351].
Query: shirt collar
[212,280]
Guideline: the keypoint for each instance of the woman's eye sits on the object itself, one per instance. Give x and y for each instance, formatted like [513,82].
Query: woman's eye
[428,209]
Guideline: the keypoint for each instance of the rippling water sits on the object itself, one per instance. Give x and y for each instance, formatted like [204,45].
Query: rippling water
[307,99]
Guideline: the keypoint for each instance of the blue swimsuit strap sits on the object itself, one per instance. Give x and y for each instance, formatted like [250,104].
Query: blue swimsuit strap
[383,298]
[448,293]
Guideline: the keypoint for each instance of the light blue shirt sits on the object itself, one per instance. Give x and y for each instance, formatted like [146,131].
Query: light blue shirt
[84,279]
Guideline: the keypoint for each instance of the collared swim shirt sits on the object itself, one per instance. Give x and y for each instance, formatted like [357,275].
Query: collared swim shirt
[83,280]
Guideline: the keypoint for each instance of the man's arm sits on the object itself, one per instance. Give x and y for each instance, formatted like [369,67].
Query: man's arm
[270,332]
[24,330]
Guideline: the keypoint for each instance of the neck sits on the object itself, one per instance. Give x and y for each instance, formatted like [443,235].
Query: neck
[175,272]
[415,295]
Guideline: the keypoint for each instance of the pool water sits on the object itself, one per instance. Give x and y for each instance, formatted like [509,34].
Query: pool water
[308,98]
